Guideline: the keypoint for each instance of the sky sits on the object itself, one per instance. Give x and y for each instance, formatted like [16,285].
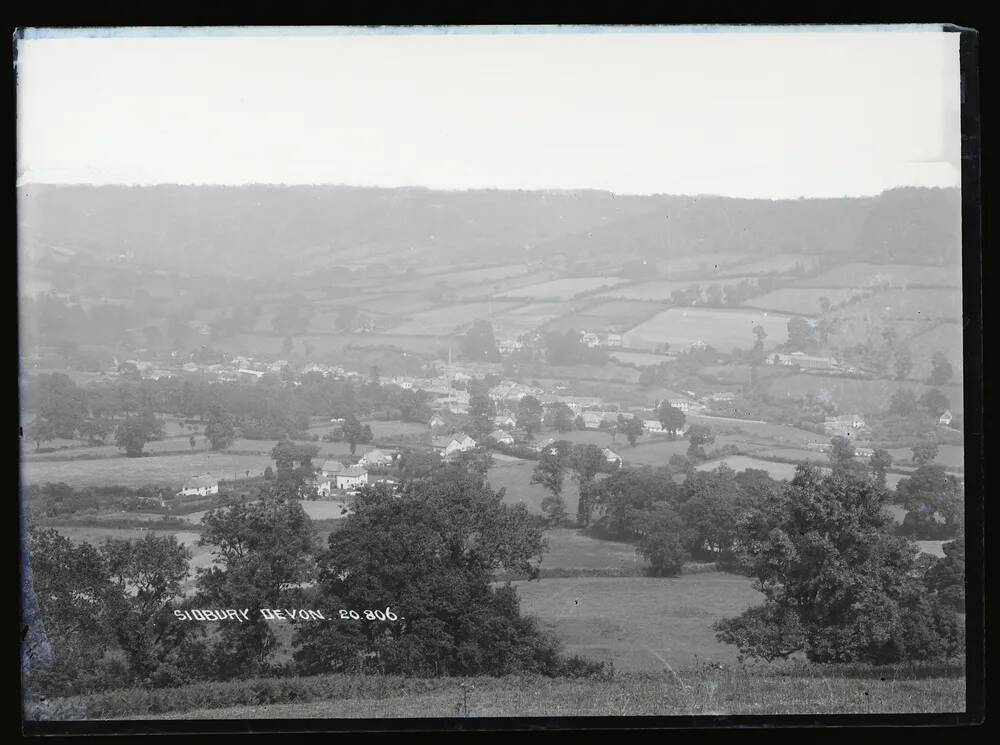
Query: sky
[762,113]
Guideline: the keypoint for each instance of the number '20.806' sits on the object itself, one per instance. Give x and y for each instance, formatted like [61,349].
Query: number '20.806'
[369,615]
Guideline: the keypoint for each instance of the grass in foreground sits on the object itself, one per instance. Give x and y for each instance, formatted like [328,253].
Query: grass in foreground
[727,690]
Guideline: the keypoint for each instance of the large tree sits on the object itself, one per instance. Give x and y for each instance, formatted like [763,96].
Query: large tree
[429,556]
[698,436]
[219,430]
[838,585]
[134,432]
[262,551]
[631,427]
[559,417]
[529,415]
[934,500]
[671,418]
[479,344]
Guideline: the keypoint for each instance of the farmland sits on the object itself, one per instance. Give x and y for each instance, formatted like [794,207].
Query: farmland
[700,266]
[616,315]
[660,290]
[946,338]
[723,329]
[931,304]
[159,470]
[449,319]
[856,396]
[779,264]
[804,301]
[642,623]
[570,549]
[515,478]
[561,289]
[890,275]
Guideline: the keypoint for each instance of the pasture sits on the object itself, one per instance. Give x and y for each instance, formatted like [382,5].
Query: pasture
[701,266]
[945,338]
[640,623]
[561,289]
[449,319]
[725,330]
[515,478]
[779,264]
[855,395]
[929,304]
[860,274]
[660,290]
[803,301]
[608,316]
[642,359]
[743,462]
[464,279]
[569,548]
[155,470]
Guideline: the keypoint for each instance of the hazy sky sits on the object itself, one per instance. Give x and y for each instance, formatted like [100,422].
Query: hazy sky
[773,114]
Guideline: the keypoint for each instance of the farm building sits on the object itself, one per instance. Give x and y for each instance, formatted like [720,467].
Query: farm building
[652,425]
[349,478]
[331,468]
[502,436]
[846,425]
[446,422]
[377,458]
[805,361]
[456,443]
[200,485]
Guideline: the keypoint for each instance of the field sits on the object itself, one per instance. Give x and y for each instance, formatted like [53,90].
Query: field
[778,264]
[529,317]
[802,301]
[909,305]
[700,266]
[642,623]
[852,395]
[891,275]
[163,470]
[727,690]
[641,358]
[328,347]
[446,320]
[743,462]
[561,289]
[574,549]
[609,316]
[461,280]
[723,329]
[660,290]
[946,338]
[515,477]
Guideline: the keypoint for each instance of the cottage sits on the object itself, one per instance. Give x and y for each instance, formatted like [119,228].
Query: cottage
[331,468]
[446,422]
[377,459]
[505,422]
[351,478]
[652,425]
[502,436]
[946,419]
[201,486]
[611,456]
[457,443]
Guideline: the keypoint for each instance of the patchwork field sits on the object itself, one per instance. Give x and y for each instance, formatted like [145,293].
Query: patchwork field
[641,623]
[803,301]
[450,319]
[641,358]
[616,315]
[458,280]
[529,317]
[700,266]
[660,290]
[562,289]
[779,263]
[723,329]
[887,275]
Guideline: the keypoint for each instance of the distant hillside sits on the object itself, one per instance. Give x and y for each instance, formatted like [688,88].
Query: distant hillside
[255,231]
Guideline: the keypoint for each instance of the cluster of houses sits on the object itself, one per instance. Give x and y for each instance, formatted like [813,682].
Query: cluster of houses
[847,425]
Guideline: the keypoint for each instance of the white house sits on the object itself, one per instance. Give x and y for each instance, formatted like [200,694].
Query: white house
[593,419]
[377,458]
[611,456]
[331,468]
[201,485]
[457,443]
[945,419]
[351,478]
[652,425]
[505,422]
